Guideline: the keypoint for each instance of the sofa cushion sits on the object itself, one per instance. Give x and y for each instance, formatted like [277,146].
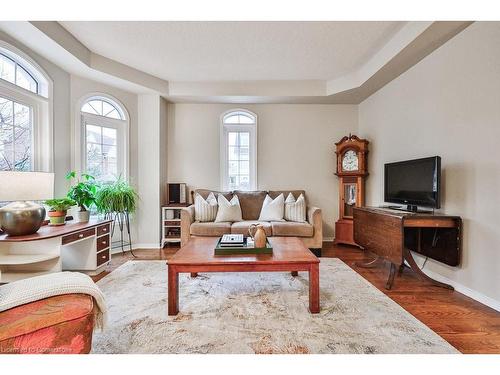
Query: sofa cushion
[210,229]
[205,193]
[228,210]
[295,209]
[273,209]
[251,203]
[296,193]
[241,227]
[205,210]
[292,229]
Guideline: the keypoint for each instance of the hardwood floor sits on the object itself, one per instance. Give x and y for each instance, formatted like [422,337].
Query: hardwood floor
[469,326]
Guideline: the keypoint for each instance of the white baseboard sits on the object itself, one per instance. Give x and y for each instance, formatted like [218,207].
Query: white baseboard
[146,245]
[475,295]
[327,239]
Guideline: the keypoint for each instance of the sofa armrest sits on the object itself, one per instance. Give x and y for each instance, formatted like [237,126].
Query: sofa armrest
[187,218]
[315,218]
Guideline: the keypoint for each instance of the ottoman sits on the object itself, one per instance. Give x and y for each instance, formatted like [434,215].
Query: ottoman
[55,325]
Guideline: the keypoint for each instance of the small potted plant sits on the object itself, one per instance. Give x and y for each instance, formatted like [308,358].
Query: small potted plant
[83,193]
[58,210]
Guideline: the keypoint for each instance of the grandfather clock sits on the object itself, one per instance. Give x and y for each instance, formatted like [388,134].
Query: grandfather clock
[352,170]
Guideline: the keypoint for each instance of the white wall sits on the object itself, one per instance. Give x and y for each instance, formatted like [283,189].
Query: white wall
[295,148]
[449,105]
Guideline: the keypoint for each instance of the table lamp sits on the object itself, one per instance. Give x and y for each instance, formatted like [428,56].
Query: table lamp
[23,216]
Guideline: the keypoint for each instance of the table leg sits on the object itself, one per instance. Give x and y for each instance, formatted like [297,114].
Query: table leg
[314,288]
[295,273]
[194,274]
[390,280]
[173,291]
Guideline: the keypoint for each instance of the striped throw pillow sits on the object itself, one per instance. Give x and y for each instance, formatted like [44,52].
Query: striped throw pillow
[295,210]
[205,209]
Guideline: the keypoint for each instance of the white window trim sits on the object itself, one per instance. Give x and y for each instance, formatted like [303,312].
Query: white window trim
[224,130]
[79,155]
[41,105]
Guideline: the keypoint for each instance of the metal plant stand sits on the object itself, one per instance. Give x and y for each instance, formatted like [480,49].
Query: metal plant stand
[123,221]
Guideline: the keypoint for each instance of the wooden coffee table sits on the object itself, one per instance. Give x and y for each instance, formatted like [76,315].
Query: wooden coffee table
[289,254]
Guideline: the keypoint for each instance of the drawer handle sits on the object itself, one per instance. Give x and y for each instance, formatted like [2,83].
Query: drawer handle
[80,235]
[104,242]
[105,229]
[103,257]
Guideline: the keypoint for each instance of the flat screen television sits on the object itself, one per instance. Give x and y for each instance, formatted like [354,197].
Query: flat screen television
[413,182]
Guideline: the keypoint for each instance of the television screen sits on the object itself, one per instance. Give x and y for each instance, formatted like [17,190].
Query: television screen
[413,182]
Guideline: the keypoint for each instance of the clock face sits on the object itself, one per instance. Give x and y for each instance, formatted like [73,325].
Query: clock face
[350,161]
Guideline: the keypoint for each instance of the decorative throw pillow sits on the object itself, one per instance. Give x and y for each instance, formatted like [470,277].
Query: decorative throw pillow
[228,210]
[205,209]
[295,210]
[272,209]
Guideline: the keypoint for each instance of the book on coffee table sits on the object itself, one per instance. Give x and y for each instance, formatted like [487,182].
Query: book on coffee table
[245,247]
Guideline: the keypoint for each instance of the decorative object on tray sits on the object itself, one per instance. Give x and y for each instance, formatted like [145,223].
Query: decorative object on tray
[258,234]
[246,247]
[83,193]
[231,240]
[22,216]
[58,210]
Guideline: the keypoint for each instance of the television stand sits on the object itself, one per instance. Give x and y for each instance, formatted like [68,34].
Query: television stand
[409,208]
[393,235]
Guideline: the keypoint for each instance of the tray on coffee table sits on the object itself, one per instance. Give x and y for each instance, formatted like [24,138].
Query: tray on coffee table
[242,250]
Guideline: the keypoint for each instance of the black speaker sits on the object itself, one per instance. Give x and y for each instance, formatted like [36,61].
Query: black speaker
[176,193]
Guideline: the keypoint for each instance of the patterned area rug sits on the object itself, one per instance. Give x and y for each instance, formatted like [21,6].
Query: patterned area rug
[256,313]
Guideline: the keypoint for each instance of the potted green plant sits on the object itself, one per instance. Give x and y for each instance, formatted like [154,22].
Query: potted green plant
[83,193]
[58,210]
[116,197]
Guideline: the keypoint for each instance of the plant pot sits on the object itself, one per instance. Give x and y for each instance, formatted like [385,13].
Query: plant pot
[83,216]
[57,217]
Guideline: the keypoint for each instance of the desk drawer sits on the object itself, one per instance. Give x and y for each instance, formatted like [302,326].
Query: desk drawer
[102,257]
[102,243]
[77,236]
[103,229]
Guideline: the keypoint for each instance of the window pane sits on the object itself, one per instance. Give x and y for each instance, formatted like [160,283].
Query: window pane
[109,136]
[22,146]
[244,153]
[6,111]
[25,80]
[244,168]
[107,108]
[7,69]
[233,119]
[232,138]
[109,153]
[89,109]
[244,183]
[233,153]
[233,168]
[6,161]
[93,133]
[94,169]
[94,154]
[245,119]
[114,114]
[6,134]
[245,139]
[21,115]
[96,105]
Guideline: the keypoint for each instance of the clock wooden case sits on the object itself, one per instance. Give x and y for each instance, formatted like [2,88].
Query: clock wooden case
[352,171]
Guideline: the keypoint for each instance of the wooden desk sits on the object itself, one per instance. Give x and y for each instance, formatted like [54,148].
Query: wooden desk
[392,235]
[74,246]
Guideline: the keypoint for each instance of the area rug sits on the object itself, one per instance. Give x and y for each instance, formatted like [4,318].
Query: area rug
[256,313]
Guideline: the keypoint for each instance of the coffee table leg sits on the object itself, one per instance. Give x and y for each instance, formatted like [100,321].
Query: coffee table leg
[295,273]
[194,274]
[173,291]
[314,288]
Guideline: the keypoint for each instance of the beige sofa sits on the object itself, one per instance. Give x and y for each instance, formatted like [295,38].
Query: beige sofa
[311,232]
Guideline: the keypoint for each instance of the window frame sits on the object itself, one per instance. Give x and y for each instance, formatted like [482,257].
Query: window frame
[41,108]
[225,129]
[122,127]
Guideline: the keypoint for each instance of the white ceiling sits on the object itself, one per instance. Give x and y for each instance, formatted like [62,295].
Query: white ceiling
[237,51]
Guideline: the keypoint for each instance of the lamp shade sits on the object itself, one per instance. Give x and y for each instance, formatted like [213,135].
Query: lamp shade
[26,186]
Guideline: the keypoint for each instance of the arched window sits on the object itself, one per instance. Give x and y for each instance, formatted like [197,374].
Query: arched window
[104,138]
[239,150]
[25,128]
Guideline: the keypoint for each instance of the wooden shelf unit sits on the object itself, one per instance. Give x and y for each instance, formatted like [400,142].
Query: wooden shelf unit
[171,223]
